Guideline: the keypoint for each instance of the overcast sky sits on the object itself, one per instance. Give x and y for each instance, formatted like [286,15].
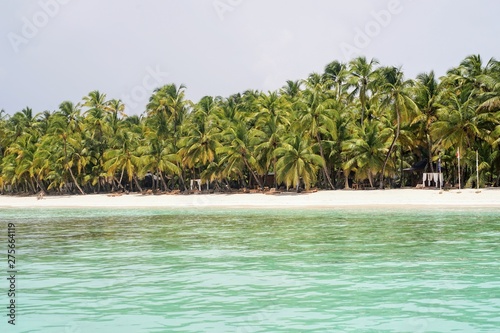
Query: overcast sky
[57,50]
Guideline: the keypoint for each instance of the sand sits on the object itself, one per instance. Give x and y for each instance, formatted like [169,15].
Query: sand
[341,198]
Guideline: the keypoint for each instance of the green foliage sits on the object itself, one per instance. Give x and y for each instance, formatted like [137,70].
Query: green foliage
[355,121]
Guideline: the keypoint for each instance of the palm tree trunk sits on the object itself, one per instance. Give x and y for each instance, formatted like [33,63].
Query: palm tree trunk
[391,147]
[275,174]
[32,185]
[137,183]
[362,98]
[121,176]
[119,183]
[429,147]
[76,183]
[181,177]
[40,185]
[325,170]
[370,178]
[253,173]
[162,180]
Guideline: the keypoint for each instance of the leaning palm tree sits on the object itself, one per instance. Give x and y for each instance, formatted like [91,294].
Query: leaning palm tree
[395,97]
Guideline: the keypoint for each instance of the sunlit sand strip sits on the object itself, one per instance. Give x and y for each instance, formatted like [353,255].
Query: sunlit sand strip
[339,198]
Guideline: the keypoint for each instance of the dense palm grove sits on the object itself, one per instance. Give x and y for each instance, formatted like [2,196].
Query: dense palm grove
[357,122]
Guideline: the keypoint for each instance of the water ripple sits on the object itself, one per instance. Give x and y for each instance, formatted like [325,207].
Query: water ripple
[258,271]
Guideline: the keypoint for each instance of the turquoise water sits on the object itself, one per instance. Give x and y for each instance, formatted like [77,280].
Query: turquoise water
[255,270]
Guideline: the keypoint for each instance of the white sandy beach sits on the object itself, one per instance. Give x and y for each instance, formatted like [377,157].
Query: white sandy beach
[339,198]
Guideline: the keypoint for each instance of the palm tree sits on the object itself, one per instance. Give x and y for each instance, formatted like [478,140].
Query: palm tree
[459,124]
[426,96]
[471,78]
[72,113]
[238,152]
[363,76]
[124,156]
[160,157]
[116,109]
[292,89]
[342,131]
[297,162]
[59,143]
[395,96]
[272,119]
[201,140]
[4,137]
[490,96]
[23,122]
[169,107]
[316,109]
[97,129]
[366,151]
[338,74]
[166,111]
[20,167]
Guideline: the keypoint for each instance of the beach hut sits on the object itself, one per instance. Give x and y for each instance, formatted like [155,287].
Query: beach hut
[417,170]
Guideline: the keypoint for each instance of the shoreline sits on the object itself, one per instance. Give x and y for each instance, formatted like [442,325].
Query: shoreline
[402,198]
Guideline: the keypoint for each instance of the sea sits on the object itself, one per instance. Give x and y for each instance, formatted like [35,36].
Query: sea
[251,270]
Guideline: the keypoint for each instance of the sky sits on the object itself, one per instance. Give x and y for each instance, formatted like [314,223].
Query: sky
[57,50]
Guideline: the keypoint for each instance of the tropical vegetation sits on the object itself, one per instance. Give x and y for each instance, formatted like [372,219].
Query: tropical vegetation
[354,123]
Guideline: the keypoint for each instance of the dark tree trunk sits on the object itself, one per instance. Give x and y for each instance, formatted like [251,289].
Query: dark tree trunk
[398,120]
[325,170]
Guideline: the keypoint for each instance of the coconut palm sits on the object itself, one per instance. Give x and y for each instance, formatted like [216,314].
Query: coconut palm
[427,94]
[366,151]
[458,124]
[22,122]
[363,75]
[316,107]
[19,167]
[168,107]
[238,152]
[292,89]
[201,139]
[60,144]
[297,162]
[337,72]
[272,120]
[395,97]
[116,110]
[160,157]
[124,156]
